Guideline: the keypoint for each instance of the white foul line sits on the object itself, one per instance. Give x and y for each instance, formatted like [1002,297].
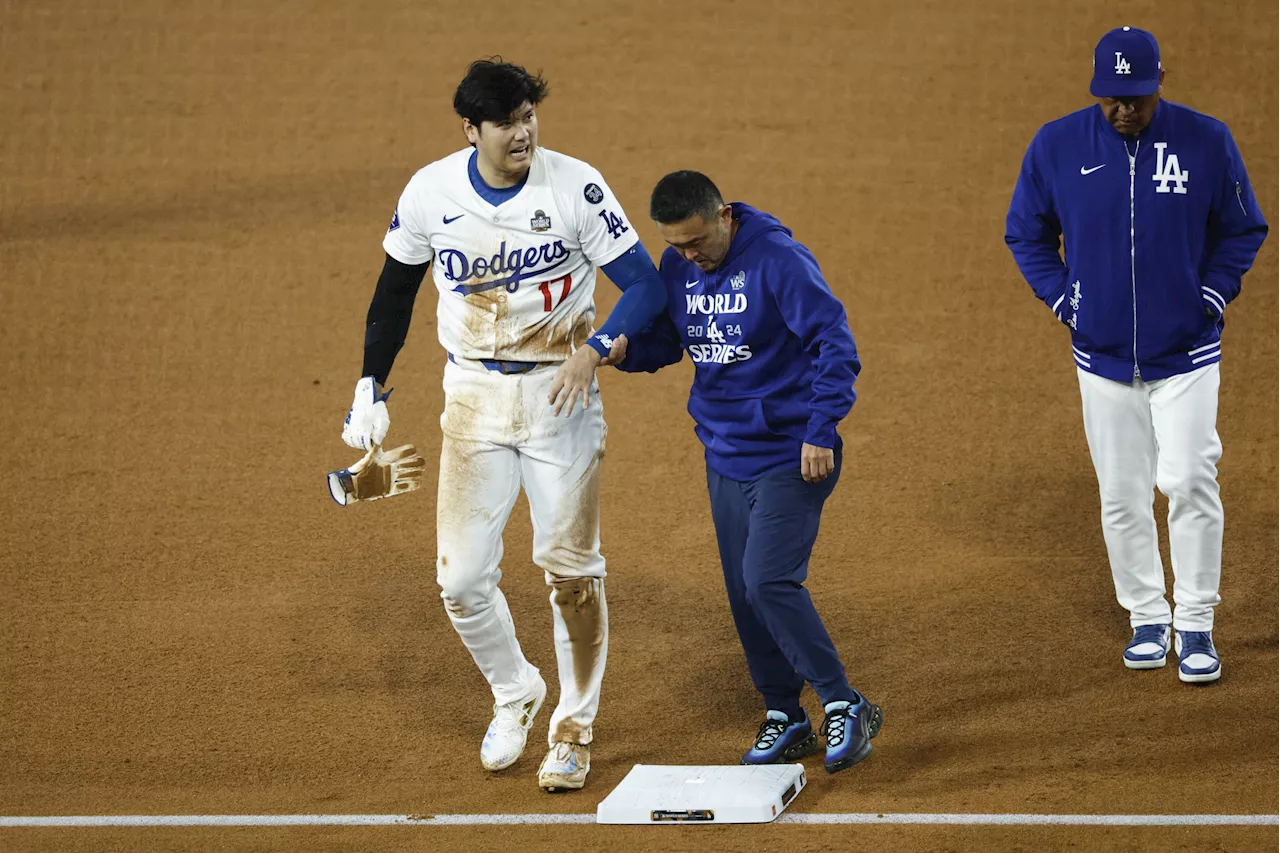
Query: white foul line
[553,819]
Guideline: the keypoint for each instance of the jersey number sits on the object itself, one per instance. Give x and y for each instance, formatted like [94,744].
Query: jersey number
[545,287]
[614,223]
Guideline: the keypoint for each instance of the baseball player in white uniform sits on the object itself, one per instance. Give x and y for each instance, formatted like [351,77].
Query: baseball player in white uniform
[513,235]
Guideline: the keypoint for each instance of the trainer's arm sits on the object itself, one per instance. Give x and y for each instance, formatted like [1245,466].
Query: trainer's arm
[1033,233]
[1236,232]
[643,297]
[387,323]
[655,347]
[813,313]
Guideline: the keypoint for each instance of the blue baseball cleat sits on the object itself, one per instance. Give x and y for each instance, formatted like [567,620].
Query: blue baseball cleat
[848,729]
[1148,648]
[781,740]
[1198,660]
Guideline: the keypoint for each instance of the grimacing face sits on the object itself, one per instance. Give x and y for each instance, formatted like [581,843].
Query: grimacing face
[1131,115]
[505,147]
[701,241]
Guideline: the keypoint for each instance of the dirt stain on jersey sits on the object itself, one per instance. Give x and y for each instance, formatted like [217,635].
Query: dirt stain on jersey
[553,340]
[483,320]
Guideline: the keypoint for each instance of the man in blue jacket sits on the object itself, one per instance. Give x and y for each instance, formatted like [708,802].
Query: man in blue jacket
[1160,225]
[775,364]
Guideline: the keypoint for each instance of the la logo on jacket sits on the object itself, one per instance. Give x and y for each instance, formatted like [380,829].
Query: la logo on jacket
[1169,171]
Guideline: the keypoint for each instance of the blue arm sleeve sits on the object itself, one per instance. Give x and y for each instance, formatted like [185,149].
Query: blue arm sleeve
[817,317]
[1034,234]
[643,297]
[1236,232]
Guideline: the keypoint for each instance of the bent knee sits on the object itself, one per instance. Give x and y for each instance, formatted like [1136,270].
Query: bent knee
[1189,485]
[566,563]
[464,590]
[576,592]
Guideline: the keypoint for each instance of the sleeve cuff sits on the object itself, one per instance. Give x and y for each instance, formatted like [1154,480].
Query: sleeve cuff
[1214,300]
[601,343]
[821,435]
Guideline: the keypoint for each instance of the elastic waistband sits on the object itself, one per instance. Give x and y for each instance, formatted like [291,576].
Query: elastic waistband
[505,367]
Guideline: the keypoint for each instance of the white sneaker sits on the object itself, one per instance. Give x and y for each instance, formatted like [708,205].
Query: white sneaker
[504,741]
[565,768]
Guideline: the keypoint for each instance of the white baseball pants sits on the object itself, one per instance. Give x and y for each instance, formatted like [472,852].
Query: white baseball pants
[1159,434]
[500,434]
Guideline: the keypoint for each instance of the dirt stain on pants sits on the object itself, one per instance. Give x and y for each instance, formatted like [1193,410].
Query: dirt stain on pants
[580,603]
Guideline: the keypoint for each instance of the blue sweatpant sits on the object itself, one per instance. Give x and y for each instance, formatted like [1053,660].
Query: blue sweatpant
[766,529]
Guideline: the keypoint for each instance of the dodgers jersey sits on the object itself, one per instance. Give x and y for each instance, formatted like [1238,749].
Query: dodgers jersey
[516,281]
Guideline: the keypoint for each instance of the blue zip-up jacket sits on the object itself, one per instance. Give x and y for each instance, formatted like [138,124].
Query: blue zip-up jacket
[1159,230]
[774,359]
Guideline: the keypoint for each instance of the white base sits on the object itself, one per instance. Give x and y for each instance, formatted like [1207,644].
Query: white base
[717,794]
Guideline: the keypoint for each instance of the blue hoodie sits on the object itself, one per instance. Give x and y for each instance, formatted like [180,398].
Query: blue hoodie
[1159,230]
[774,359]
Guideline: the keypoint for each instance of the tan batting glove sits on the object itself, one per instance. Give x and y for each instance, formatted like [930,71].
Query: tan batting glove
[380,474]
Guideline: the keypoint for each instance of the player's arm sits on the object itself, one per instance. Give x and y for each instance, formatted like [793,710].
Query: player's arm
[1236,232]
[814,314]
[653,347]
[1033,233]
[409,252]
[386,327]
[390,312]
[643,298]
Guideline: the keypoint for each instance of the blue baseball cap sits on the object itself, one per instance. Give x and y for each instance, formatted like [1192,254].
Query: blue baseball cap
[1126,63]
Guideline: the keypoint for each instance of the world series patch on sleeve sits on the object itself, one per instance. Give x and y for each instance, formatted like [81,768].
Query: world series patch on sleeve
[379,474]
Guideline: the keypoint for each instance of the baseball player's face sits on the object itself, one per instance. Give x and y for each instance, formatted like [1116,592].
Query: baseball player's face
[507,146]
[700,241]
[1131,115]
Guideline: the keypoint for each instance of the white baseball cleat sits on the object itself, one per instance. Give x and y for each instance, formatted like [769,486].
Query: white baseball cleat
[565,768]
[504,741]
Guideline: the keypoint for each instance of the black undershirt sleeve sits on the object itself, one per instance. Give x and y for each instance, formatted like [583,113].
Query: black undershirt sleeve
[387,324]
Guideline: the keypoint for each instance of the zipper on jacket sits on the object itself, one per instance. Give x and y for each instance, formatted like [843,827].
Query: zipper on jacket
[1240,199]
[1133,252]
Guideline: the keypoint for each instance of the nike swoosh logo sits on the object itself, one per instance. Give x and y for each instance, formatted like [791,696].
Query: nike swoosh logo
[1085,171]
[689,284]
[448,220]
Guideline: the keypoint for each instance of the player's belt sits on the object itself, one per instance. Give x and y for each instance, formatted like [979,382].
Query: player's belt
[505,367]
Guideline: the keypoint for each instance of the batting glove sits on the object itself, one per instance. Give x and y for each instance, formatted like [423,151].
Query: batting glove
[368,420]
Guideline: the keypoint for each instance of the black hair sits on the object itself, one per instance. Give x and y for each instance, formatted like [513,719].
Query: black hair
[492,90]
[680,195]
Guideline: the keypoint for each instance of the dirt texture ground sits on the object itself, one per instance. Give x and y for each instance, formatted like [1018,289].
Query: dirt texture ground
[192,199]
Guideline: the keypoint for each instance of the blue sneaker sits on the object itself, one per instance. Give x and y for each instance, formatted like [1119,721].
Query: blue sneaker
[781,740]
[1148,648]
[1198,660]
[848,730]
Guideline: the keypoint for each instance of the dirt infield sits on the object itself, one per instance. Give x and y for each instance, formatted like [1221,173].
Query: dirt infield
[192,199]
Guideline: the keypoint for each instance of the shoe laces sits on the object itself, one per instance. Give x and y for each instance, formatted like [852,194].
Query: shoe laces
[1197,642]
[836,726]
[512,715]
[1148,634]
[770,731]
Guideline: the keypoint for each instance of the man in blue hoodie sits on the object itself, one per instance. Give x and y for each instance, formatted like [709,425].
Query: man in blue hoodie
[1160,225]
[775,364]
